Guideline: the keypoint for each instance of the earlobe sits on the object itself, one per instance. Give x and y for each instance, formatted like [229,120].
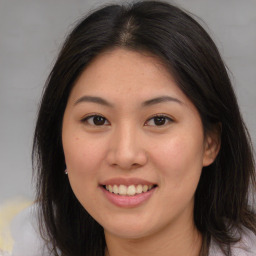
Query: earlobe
[212,145]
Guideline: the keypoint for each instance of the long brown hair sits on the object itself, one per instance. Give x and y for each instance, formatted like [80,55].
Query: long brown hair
[221,199]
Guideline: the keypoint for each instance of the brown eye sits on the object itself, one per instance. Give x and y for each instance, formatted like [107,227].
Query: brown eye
[159,121]
[96,120]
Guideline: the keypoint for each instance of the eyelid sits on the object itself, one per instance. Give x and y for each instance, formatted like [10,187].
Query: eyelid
[170,119]
[91,115]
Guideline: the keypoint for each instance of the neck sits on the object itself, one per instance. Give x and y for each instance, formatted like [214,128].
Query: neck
[186,242]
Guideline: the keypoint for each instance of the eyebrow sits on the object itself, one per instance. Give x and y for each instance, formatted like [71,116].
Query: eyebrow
[161,99]
[93,99]
[146,103]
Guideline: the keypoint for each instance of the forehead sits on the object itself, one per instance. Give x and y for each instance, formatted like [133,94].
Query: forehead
[122,73]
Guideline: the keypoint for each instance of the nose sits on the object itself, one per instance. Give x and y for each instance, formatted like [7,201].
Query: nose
[126,149]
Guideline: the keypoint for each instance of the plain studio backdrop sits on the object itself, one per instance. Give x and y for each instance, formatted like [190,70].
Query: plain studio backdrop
[31,33]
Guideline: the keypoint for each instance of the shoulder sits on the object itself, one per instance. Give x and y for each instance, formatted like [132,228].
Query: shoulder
[26,234]
[245,247]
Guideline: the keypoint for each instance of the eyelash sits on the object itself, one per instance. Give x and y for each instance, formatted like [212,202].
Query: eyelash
[85,119]
[166,119]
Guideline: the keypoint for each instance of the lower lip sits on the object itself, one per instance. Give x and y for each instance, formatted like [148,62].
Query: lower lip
[128,201]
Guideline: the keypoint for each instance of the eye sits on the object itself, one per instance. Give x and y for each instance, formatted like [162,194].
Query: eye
[96,120]
[158,120]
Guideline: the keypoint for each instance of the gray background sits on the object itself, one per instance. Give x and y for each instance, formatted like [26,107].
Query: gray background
[31,32]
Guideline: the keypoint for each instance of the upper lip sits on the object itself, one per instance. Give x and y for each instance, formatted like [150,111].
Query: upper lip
[126,181]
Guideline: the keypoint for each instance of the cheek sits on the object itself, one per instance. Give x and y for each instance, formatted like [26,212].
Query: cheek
[83,160]
[179,163]
[179,160]
[83,154]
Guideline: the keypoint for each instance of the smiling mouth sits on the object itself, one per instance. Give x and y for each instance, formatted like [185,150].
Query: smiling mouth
[130,190]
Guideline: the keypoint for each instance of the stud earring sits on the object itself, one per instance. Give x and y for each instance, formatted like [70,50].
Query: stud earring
[66,171]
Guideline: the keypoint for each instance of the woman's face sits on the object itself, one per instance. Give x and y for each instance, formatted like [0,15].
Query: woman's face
[134,145]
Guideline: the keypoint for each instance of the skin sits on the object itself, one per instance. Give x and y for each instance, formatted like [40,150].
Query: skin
[130,144]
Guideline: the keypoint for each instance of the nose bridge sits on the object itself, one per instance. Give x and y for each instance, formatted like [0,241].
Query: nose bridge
[126,148]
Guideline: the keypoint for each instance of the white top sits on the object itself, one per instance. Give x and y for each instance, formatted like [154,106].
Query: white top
[26,235]
[27,240]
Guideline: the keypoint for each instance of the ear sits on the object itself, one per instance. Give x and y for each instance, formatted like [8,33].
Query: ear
[212,145]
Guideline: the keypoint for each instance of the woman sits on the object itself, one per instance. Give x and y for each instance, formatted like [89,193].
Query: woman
[140,115]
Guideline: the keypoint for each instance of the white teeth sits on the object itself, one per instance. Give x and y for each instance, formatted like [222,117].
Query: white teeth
[139,189]
[122,190]
[115,189]
[128,190]
[131,191]
[145,188]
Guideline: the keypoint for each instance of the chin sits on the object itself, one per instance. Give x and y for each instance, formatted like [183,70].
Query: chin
[128,230]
